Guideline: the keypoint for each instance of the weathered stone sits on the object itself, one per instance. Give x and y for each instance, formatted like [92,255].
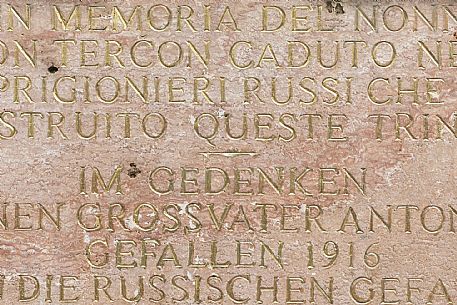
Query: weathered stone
[231,152]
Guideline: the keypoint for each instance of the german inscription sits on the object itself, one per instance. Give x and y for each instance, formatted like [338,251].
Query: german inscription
[228,152]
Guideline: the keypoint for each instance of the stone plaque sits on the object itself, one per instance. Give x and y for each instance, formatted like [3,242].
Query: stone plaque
[228,152]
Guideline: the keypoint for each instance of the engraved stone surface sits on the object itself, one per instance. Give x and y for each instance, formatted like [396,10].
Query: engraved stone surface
[228,152]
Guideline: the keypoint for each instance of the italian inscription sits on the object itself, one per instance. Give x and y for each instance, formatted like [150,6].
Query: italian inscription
[228,152]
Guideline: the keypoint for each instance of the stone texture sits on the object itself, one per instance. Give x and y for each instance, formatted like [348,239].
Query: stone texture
[416,172]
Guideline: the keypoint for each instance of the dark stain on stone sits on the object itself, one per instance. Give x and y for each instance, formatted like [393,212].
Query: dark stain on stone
[330,6]
[455,35]
[133,170]
[335,6]
[52,69]
[339,8]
